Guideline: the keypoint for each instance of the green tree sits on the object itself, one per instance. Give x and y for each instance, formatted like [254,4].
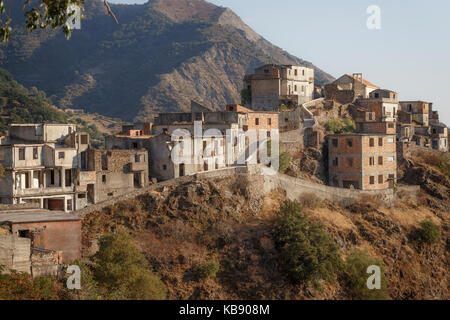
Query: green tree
[428,233]
[123,270]
[44,13]
[356,276]
[308,252]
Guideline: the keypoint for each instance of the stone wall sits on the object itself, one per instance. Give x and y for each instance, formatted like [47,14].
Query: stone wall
[15,253]
[295,187]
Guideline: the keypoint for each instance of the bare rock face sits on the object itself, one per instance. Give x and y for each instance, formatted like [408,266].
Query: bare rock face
[432,182]
[161,55]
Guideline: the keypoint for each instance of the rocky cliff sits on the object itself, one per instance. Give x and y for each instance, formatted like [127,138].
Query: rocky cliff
[160,56]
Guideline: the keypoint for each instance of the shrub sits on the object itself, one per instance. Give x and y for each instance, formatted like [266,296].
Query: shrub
[21,286]
[428,233]
[285,159]
[308,252]
[340,125]
[122,269]
[309,200]
[356,276]
[209,270]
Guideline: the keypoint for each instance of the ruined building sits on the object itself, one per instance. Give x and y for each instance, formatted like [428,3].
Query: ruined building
[39,241]
[43,164]
[218,143]
[274,85]
[54,167]
[348,88]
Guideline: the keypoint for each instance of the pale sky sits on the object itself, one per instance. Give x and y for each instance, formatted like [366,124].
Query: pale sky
[410,54]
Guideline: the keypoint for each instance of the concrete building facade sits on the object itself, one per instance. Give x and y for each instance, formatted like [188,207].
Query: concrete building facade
[220,142]
[273,85]
[45,164]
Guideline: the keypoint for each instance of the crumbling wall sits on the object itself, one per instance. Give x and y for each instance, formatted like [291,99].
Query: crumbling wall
[15,253]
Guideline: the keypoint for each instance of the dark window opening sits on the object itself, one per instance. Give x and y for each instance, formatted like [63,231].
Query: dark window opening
[104,178]
[372,180]
[349,143]
[21,153]
[334,143]
[372,142]
[35,153]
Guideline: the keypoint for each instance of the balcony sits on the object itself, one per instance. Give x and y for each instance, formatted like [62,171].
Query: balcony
[43,191]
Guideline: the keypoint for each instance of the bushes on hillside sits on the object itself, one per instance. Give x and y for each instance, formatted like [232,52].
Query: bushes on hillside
[356,277]
[310,200]
[428,233]
[308,252]
[340,125]
[285,159]
[21,286]
[123,270]
[209,270]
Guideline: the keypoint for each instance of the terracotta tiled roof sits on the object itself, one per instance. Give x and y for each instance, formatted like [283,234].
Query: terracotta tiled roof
[367,83]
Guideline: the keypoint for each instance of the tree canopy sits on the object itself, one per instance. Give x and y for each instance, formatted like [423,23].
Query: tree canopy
[57,14]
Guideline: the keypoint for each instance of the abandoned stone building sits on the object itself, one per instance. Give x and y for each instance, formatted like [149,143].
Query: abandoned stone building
[51,165]
[419,124]
[348,88]
[274,85]
[38,241]
[383,103]
[117,172]
[42,164]
[221,141]
[419,111]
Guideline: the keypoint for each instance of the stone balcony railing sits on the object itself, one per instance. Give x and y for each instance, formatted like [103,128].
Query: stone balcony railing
[43,191]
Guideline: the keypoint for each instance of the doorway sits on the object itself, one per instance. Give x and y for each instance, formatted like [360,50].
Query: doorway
[181,170]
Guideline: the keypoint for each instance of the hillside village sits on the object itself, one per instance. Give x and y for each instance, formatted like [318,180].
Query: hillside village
[343,141]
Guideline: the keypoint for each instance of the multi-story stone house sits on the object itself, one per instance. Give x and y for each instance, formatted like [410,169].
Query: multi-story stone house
[348,88]
[203,139]
[54,167]
[419,110]
[439,137]
[366,159]
[274,85]
[45,164]
[117,172]
[383,103]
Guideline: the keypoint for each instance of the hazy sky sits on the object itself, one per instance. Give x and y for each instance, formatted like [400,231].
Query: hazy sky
[410,54]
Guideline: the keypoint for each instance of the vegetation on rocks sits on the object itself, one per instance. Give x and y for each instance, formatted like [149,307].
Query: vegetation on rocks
[356,275]
[427,233]
[308,252]
[340,125]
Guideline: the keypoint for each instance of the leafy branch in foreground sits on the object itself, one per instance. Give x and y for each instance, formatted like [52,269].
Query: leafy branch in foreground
[45,13]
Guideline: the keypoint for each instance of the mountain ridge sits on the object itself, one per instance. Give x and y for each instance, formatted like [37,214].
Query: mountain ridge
[162,55]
